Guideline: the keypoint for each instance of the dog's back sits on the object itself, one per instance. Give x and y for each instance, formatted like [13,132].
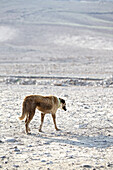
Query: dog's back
[44,104]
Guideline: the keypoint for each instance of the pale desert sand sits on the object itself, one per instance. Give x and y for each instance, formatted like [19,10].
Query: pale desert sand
[84,142]
[62,48]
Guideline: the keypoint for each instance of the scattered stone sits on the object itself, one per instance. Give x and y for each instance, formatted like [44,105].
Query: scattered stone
[30,146]
[102,167]
[71,157]
[82,126]
[1,141]
[65,95]
[87,166]
[3,157]
[11,140]
[46,143]
[110,164]
[50,162]
[43,160]
[28,82]
[17,150]
[0,166]
[86,107]
[16,166]
[6,162]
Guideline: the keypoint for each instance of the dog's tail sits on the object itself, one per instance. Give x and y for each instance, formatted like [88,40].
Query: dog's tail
[23,112]
[22,117]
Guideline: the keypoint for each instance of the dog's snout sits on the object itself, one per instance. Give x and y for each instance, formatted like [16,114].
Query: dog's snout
[64,108]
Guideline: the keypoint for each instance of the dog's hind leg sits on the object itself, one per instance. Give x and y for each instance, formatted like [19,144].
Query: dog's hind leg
[27,121]
[54,120]
[42,120]
[25,124]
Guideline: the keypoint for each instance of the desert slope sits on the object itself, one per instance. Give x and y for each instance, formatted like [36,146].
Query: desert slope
[62,48]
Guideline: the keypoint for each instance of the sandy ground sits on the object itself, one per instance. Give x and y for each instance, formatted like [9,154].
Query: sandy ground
[84,142]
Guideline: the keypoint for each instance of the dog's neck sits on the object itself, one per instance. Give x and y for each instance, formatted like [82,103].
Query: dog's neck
[59,102]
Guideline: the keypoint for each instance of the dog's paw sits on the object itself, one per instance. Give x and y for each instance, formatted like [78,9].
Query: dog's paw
[28,133]
[40,130]
[58,129]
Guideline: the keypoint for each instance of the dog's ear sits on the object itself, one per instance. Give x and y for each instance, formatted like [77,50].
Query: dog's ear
[62,100]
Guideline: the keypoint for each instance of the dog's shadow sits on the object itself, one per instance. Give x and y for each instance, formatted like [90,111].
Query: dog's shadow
[72,139]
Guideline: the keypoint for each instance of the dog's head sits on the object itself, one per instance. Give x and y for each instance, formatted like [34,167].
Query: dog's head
[63,104]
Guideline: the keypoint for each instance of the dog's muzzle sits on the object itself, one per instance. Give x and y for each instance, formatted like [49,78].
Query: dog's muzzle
[64,108]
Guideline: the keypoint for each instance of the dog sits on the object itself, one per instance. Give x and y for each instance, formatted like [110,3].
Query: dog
[45,104]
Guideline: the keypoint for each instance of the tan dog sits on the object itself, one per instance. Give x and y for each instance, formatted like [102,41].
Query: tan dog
[45,104]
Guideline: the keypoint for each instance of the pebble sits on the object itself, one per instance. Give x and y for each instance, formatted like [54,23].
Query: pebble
[82,126]
[6,162]
[0,166]
[87,166]
[30,146]
[3,157]
[50,162]
[65,95]
[1,141]
[11,140]
[16,166]
[16,150]
[71,157]
[43,160]
[86,107]
[102,167]
[46,143]
[110,165]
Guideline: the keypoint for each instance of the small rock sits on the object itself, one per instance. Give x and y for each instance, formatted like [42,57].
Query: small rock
[0,166]
[11,140]
[110,165]
[6,162]
[82,126]
[65,95]
[71,157]
[30,146]
[16,166]
[87,166]
[1,141]
[3,157]
[50,162]
[46,143]
[16,150]
[43,160]
[101,167]
[86,107]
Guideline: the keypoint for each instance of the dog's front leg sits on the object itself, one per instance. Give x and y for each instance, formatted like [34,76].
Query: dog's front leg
[54,120]
[42,120]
